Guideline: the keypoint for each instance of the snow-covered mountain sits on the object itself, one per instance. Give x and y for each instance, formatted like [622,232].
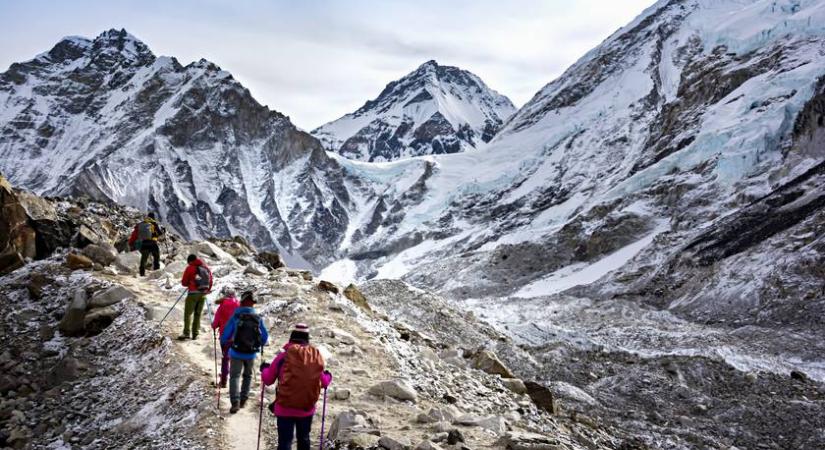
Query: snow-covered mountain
[433,110]
[668,164]
[107,119]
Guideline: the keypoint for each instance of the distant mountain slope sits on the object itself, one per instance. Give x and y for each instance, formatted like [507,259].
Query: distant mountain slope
[433,110]
[107,119]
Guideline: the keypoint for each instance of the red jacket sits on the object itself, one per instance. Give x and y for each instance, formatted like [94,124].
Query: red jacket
[224,313]
[188,279]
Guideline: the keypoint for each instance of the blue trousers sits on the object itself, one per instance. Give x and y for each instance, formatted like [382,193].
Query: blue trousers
[286,430]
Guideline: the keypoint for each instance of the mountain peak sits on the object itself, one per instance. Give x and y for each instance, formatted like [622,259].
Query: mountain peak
[433,109]
[120,42]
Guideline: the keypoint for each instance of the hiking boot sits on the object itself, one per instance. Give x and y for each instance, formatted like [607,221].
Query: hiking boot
[183,337]
[194,337]
[243,402]
[234,408]
[223,384]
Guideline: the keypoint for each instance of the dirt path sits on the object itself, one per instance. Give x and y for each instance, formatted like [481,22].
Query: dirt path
[240,430]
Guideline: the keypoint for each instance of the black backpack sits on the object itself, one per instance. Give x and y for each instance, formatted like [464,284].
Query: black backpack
[247,338]
[202,278]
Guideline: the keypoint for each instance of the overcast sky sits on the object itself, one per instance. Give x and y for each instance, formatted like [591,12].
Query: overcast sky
[316,60]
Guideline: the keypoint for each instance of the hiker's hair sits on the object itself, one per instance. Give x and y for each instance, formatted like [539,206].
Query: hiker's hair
[191,258]
[151,215]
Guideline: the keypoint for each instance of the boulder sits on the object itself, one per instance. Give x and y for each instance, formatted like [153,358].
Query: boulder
[528,441]
[397,389]
[342,336]
[256,269]
[348,423]
[445,414]
[355,296]
[37,281]
[103,253]
[328,287]
[454,437]
[496,424]
[515,385]
[394,444]
[340,394]
[128,262]
[75,262]
[541,396]
[427,445]
[99,319]
[487,361]
[72,322]
[799,376]
[175,268]
[363,440]
[571,393]
[272,260]
[110,296]
[468,420]
[17,237]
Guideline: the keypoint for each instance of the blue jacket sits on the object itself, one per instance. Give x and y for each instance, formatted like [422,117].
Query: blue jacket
[229,333]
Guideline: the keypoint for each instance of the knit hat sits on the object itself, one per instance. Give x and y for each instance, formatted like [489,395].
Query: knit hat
[247,298]
[300,333]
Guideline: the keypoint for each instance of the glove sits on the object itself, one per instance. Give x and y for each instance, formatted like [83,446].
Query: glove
[327,373]
[264,366]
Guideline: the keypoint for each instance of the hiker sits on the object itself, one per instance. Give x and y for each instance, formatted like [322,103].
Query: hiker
[198,280]
[226,309]
[145,239]
[299,370]
[245,334]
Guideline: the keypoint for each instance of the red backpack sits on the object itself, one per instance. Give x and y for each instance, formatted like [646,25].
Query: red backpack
[299,385]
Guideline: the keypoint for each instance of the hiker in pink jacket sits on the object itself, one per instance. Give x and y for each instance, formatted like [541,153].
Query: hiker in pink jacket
[226,308]
[299,371]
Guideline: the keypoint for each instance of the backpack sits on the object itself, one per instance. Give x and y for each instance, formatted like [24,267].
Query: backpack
[203,279]
[247,338]
[299,385]
[145,231]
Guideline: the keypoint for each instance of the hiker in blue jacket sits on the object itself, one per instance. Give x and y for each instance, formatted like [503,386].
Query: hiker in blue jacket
[246,334]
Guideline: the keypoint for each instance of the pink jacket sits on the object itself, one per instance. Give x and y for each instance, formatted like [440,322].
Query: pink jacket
[224,313]
[273,373]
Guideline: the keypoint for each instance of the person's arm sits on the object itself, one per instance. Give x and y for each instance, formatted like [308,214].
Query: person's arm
[211,278]
[270,373]
[218,318]
[187,276]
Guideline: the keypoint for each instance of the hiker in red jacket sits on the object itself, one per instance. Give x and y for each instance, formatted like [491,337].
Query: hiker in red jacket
[299,370]
[226,308]
[198,280]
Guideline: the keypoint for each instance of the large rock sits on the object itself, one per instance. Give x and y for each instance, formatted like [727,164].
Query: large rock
[72,322]
[515,385]
[496,424]
[272,260]
[394,444]
[571,393]
[328,287]
[355,296]
[103,253]
[528,441]
[17,237]
[67,369]
[110,296]
[254,268]
[75,261]
[487,361]
[349,423]
[397,389]
[99,319]
[541,396]
[128,262]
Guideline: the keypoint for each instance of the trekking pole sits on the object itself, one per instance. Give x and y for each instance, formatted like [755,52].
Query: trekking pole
[261,409]
[323,419]
[173,307]
[214,353]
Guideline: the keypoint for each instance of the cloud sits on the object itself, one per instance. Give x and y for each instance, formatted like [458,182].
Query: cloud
[318,60]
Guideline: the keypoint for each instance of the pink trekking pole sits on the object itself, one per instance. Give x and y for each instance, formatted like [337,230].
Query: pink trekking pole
[323,419]
[261,412]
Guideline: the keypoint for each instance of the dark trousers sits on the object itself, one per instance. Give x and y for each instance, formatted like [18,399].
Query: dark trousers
[237,367]
[286,430]
[149,248]
[224,362]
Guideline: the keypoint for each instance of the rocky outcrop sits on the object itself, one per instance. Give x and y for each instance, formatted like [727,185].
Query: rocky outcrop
[17,238]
